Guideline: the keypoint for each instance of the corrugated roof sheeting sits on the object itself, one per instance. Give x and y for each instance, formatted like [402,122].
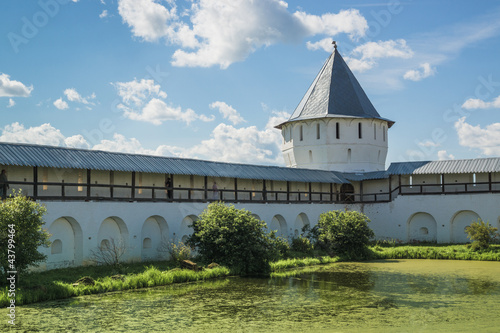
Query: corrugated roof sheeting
[59,157]
[478,165]
[365,175]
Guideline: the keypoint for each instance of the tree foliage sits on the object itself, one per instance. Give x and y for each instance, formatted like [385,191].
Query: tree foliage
[482,234]
[233,238]
[344,233]
[21,220]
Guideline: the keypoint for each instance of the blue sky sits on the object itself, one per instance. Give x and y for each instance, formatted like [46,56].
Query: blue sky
[210,78]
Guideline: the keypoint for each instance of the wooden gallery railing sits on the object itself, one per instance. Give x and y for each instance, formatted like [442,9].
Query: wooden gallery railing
[62,191]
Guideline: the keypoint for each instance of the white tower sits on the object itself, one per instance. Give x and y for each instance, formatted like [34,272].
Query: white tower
[335,126]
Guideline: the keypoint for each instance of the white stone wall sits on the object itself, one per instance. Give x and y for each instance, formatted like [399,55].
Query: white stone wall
[82,226]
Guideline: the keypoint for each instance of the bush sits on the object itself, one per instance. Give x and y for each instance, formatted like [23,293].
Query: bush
[345,233]
[177,252]
[482,234]
[21,222]
[302,244]
[234,238]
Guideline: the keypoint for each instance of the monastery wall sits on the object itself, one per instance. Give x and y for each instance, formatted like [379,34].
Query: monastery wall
[77,228]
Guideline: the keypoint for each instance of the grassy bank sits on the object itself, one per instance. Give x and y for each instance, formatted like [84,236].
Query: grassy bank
[434,251]
[59,283]
[37,287]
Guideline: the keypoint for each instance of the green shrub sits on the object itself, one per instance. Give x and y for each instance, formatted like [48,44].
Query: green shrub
[482,234]
[302,244]
[344,233]
[280,245]
[21,232]
[233,238]
[176,252]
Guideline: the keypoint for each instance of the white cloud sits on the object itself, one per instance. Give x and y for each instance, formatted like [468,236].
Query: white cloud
[143,101]
[138,91]
[221,32]
[11,103]
[474,103]
[244,145]
[346,21]
[148,19]
[324,44]
[228,112]
[428,143]
[60,104]
[103,14]
[416,75]
[44,134]
[364,56]
[486,139]
[157,112]
[73,96]
[12,88]
[443,155]
[226,143]
[77,141]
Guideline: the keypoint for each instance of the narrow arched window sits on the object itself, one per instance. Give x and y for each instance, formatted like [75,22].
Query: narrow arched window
[359,131]
[56,247]
[318,133]
[349,155]
[337,130]
[310,156]
[146,243]
[383,132]
[301,133]
[374,132]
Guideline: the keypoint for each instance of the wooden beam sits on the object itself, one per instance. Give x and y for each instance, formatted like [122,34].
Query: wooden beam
[360,191]
[390,188]
[205,193]
[235,189]
[88,184]
[132,190]
[35,182]
[288,191]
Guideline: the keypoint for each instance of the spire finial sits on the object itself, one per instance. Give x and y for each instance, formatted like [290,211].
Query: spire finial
[334,44]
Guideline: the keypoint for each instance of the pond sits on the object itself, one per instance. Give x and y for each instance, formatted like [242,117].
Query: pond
[382,296]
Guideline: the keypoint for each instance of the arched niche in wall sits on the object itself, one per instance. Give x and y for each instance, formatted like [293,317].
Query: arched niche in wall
[461,220]
[422,227]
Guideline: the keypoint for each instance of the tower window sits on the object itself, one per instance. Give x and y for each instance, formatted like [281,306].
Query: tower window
[374,132]
[383,132]
[359,131]
[349,155]
[310,156]
[318,133]
[337,130]
[301,133]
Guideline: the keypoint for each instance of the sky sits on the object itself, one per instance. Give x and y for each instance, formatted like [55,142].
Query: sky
[209,79]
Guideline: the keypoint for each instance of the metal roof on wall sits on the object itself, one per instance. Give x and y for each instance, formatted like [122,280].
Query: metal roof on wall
[359,176]
[72,158]
[478,165]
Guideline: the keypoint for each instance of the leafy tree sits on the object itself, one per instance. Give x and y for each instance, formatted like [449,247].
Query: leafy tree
[21,222]
[345,233]
[482,234]
[233,238]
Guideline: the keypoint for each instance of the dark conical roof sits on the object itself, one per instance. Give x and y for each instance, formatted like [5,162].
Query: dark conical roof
[335,92]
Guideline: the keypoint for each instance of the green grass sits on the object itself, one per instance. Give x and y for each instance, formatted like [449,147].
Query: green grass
[62,287]
[434,251]
[301,262]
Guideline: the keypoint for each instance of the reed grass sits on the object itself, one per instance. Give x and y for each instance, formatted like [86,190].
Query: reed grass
[152,276]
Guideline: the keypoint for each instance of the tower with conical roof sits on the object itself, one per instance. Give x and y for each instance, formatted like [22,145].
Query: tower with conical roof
[335,126]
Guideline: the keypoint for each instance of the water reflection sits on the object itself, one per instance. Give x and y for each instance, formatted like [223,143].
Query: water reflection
[398,296]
